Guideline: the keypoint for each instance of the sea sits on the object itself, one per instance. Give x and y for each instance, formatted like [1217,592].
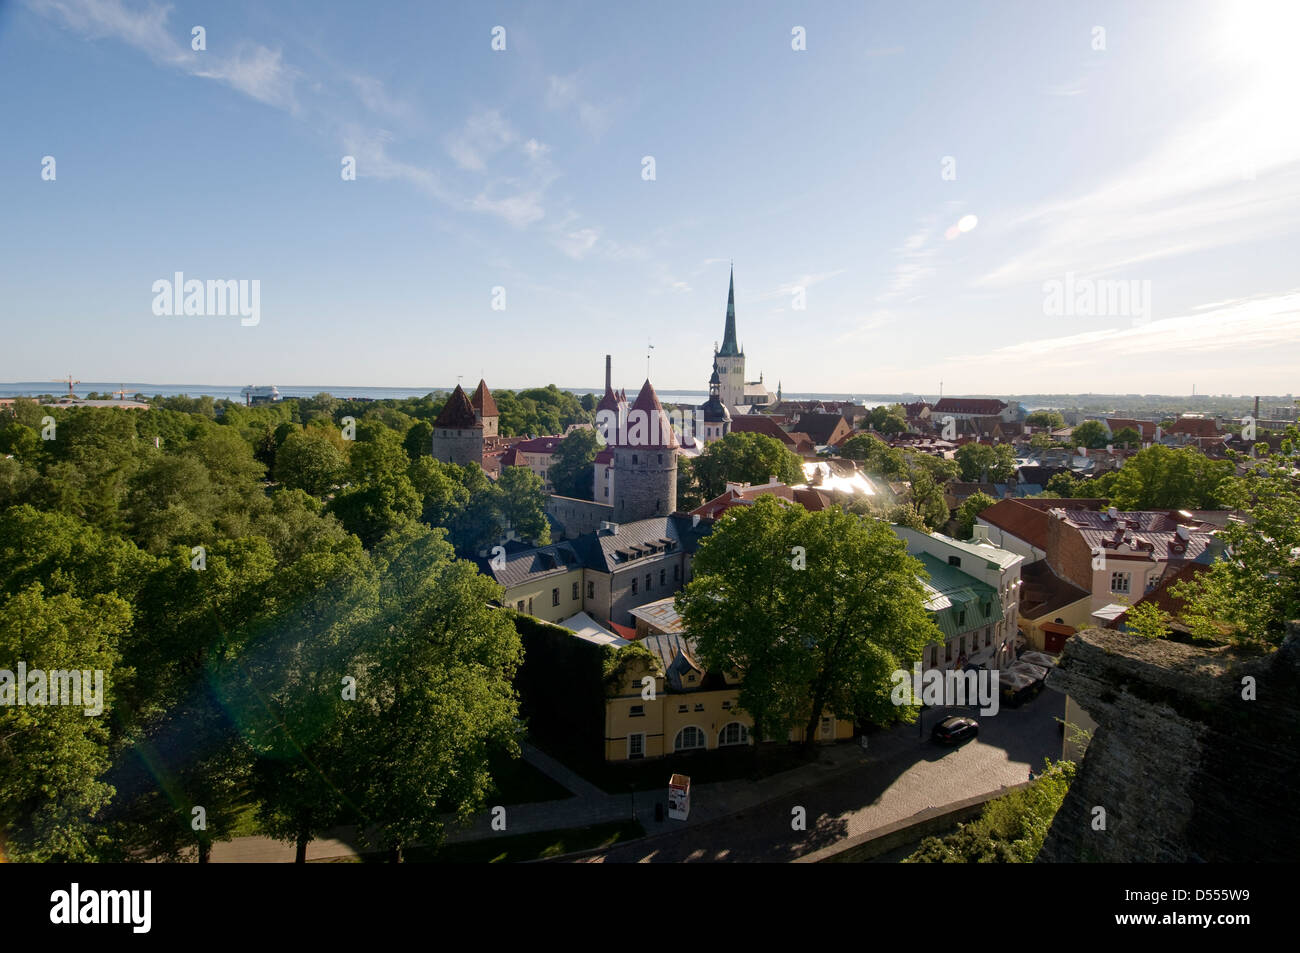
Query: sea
[235,392]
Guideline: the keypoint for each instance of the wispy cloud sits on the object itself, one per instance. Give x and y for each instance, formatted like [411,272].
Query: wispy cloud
[1263,324]
[482,137]
[256,71]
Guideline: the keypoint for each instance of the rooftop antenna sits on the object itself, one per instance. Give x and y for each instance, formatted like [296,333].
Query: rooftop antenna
[648,348]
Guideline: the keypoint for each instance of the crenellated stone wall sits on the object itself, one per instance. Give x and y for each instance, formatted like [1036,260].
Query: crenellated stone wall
[1186,769]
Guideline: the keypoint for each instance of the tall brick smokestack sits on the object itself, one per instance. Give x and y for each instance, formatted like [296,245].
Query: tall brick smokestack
[608,380]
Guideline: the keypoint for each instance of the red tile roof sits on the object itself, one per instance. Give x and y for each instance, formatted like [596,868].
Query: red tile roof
[760,423]
[650,427]
[1195,427]
[984,407]
[457,413]
[1021,521]
[482,401]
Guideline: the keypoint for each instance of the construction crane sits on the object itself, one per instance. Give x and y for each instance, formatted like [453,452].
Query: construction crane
[120,392]
[70,382]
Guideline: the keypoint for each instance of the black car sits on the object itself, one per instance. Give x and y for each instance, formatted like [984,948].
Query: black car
[953,731]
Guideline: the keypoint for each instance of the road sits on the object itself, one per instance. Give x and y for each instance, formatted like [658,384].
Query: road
[903,776]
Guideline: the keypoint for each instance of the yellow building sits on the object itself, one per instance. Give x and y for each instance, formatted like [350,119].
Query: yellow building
[664,702]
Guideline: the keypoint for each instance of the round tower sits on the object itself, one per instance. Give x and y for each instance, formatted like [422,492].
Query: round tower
[458,432]
[645,462]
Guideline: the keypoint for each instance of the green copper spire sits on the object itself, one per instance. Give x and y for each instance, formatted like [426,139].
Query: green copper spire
[729,348]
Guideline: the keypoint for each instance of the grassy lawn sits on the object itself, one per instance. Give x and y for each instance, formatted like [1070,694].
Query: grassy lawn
[512,850]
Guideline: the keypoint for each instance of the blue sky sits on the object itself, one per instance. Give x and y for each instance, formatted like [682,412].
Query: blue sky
[1163,152]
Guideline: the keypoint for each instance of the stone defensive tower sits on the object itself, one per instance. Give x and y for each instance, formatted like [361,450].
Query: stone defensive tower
[645,462]
[458,431]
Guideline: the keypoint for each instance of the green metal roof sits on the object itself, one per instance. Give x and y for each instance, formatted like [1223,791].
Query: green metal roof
[952,592]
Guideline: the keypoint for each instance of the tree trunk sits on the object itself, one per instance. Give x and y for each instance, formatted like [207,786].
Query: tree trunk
[205,851]
[395,854]
[300,854]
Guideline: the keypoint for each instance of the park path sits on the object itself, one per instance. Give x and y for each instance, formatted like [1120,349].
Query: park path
[846,791]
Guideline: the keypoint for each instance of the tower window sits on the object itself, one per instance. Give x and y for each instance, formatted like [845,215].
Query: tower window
[634,458]
[661,458]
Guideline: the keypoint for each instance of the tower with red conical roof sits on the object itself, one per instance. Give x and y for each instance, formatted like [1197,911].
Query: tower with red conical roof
[485,410]
[458,431]
[645,461]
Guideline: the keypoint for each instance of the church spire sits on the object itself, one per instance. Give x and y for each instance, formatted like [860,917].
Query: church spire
[729,348]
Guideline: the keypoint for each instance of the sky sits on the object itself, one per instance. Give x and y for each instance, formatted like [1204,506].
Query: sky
[1005,197]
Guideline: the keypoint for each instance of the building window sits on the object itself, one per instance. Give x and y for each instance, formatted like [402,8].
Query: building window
[634,585]
[591,590]
[954,561]
[530,605]
[726,706]
[555,597]
[662,575]
[661,458]
[948,656]
[575,590]
[733,734]
[636,711]
[961,617]
[690,677]
[699,707]
[1119,582]
[677,573]
[988,637]
[682,709]
[636,746]
[689,738]
[647,582]
[634,458]
[520,605]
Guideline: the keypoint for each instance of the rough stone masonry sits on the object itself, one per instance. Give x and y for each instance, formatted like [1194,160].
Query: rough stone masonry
[1186,769]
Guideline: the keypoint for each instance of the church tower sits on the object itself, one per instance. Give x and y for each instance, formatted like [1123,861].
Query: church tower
[716,417]
[645,462]
[730,359]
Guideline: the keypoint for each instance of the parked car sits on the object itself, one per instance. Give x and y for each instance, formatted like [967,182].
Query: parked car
[955,730]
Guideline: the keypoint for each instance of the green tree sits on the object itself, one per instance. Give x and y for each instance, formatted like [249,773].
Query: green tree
[572,473]
[419,440]
[1147,620]
[744,458]
[53,755]
[1063,484]
[434,695]
[1051,419]
[1254,590]
[1091,434]
[689,496]
[806,641]
[982,462]
[1127,437]
[1166,478]
[969,512]
[308,460]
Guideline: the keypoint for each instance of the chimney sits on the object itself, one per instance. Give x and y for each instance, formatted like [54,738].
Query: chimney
[612,528]
[607,374]
[980,533]
[1113,513]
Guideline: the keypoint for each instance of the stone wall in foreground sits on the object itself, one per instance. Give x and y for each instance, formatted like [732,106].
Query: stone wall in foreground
[1185,768]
